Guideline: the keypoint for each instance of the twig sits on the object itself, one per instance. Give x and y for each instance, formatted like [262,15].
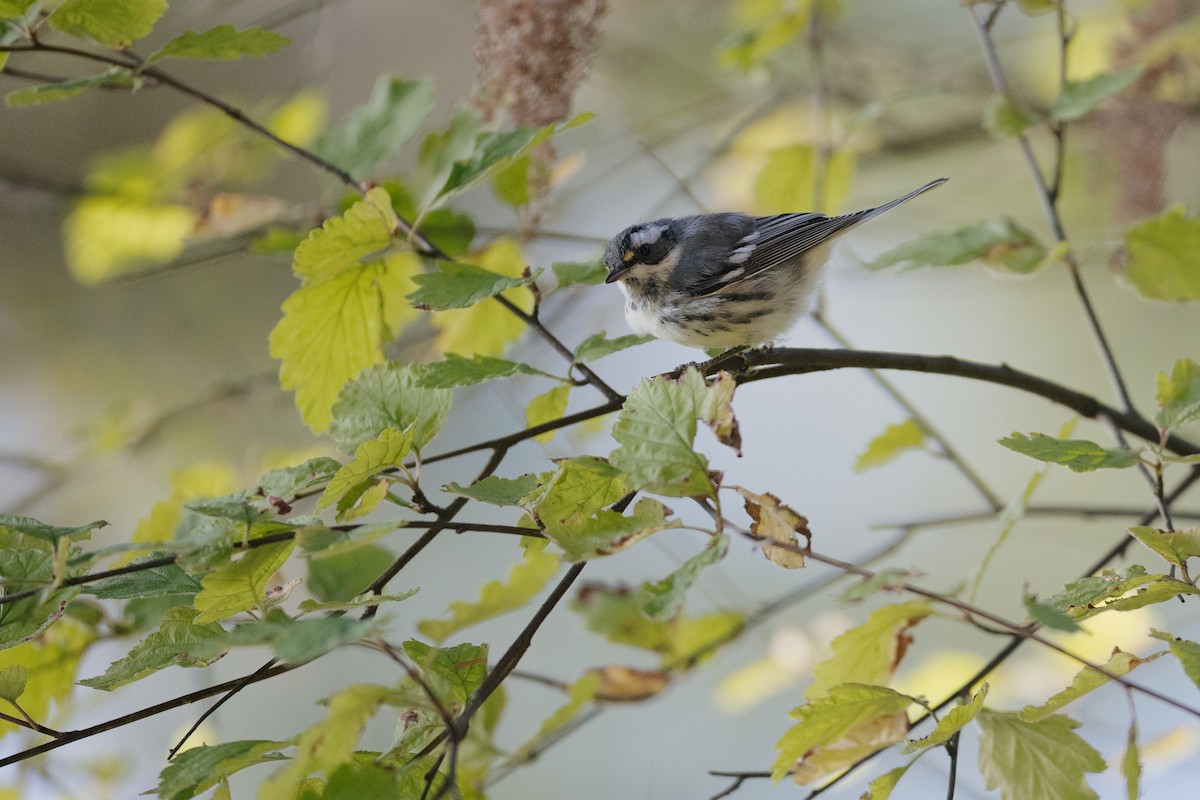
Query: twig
[738,779]
[208,712]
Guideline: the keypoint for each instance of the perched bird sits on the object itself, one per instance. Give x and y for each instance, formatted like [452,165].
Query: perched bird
[726,280]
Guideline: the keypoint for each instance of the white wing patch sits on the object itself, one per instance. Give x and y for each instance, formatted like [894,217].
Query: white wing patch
[731,274]
[741,254]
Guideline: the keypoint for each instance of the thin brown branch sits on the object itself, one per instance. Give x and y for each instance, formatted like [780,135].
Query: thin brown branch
[225,698]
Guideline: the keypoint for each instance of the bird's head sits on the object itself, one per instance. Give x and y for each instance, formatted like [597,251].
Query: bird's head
[642,246]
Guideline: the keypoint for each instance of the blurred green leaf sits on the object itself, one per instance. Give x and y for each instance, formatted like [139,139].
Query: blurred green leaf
[799,178]
[13,9]
[358,601]
[547,407]
[999,243]
[1036,7]
[168,579]
[12,681]
[892,442]
[1078,98]
[197,769]
[179,640]
[524,581]
[511,183]
[1049,616]
[1187,652]
[285,483]
[1003,118]
[881,788]
[573,273]
[663,599]
[1080,455]
[224,43]
[582,486]
[455,370]
[870,652]
[457,285]
[112,23]
[1086,680]
[338,575]
[1161,262]
[1179,394]
[580,693]
[64,90]
[500,491]
[388,396]
[1035,759]
[598,346]
[298,641]
[379,128]
[28,526]
[1131,766]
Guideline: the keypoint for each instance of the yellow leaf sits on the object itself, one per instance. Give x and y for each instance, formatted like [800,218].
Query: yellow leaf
[110,236]
[300,120]
[196,482]
[547,407]
[776,522]
[51,661]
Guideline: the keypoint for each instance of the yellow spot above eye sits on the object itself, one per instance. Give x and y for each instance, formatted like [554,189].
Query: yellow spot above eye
[628,256]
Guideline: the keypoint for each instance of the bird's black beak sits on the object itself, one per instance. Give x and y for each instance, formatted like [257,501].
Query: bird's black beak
[617,274]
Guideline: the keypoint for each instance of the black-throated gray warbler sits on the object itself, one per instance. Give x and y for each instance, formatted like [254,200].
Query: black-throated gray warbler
[726,280]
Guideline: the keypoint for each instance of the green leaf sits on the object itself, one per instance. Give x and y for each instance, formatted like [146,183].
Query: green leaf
[1003,118]
[691,641]
[338,575]
[179,640]
[358,780]
[951,723]
[1092,589]
[500,491]
[1175,546]
[511,184]
[496,151]
[372,457]
[328,744]
[239,585]
[455,370]
[655,430]
[881,788]
[358,601]
[457,285]
[388,396]
[380,127]
[884,580]
[663,599]
[168,579]
[581,487]
[196,769]
[12,681]
[347,308]
[14,9]
[839,718]
[64,90]
[1079,455]
[1049,616]
[298,641]
[892,442]
[1131,766]
[112,23]
[999,243]
[32,568]
[1078,98]
[609,532]
[615,614]
[1044,759]
[525,580]
[870,652]
[580,694]
[1161,256]
[287,482]
[598,346]
[579,273]
[1119,663]
[29,526]
[1187,652]
[1179,394]
[454,673]
[547,407]
[1036,7]
[224,43]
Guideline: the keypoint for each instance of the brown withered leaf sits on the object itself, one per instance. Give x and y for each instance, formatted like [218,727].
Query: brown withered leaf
[621,684]
[717,411]
[776,522]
